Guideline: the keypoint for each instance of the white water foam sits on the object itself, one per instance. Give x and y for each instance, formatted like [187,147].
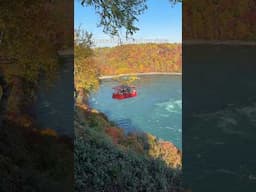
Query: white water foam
[173,106]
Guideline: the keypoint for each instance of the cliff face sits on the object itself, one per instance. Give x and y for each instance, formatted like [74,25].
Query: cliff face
[108,160]
[141,143]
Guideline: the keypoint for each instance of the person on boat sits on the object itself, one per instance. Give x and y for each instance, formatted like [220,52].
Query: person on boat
[128,89]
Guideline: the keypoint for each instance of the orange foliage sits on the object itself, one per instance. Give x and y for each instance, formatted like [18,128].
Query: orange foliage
[115,133]
[139,58]
[170,153]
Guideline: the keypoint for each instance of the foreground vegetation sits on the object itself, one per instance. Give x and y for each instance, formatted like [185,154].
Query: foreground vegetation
[108,160]
[34,160]
[31,33]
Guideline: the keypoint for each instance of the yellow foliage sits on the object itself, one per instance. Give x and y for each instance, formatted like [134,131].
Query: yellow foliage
[137,58]
[164,150]
[33,43]
[85,74]
[85,69]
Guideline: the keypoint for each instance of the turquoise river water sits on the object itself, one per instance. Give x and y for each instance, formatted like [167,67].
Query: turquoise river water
[157,109]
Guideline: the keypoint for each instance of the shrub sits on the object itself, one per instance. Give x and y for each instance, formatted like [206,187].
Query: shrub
[108,160]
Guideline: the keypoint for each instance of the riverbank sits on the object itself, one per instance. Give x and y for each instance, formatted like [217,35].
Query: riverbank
[104,155]
[138,74]
[165,150]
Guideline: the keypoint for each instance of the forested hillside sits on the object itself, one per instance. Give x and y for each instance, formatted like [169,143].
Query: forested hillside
[139,58]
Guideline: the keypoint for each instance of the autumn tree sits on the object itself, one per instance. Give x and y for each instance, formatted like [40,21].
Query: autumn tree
[85,70]
[32,32]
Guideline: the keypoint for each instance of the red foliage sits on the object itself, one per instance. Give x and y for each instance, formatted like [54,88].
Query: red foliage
[115,133]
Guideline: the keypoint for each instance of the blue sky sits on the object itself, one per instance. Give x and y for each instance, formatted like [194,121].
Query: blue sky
[160,22]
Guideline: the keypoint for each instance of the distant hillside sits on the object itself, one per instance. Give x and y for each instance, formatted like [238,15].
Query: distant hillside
[139,58]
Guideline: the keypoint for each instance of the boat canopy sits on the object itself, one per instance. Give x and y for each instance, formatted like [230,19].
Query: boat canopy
[124,92]
[122,87]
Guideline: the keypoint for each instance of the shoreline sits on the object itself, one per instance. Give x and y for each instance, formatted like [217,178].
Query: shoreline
[88,109]
[218,42]
[138,74]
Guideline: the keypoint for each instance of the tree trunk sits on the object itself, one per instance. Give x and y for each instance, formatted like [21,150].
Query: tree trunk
[6,90]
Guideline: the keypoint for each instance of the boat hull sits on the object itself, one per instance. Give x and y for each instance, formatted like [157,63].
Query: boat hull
[123,96]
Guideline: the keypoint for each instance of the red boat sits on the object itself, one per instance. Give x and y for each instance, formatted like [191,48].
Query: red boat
[124,92]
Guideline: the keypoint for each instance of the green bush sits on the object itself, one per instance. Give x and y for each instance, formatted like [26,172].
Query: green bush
[102,165]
